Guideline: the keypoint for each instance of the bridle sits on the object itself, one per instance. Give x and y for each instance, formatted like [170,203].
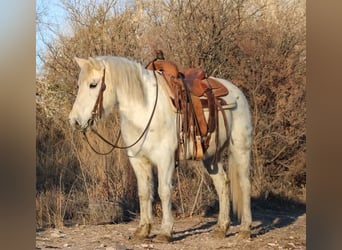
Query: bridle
[97,114]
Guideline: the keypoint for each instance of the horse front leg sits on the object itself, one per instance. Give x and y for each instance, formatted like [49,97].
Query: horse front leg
[165,172]
[143,171]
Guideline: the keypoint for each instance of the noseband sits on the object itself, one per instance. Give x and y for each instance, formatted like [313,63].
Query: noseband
[96,113]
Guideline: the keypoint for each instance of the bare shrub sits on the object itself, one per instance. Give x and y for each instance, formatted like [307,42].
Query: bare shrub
[271,61]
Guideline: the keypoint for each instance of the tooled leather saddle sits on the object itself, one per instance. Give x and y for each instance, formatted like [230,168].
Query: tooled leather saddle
[192,92]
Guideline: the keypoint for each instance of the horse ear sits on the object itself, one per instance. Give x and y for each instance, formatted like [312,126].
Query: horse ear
[95,63]
[80,61]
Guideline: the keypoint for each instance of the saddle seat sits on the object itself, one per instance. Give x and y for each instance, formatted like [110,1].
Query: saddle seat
[198,83]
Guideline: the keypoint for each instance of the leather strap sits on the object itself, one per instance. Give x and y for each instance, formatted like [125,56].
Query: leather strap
[98,107]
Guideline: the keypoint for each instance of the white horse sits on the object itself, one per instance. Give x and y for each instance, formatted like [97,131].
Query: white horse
[134,90]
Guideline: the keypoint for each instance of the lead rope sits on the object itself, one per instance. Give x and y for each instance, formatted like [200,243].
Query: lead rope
[114,145]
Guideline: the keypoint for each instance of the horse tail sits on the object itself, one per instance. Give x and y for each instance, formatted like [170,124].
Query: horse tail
[235,188]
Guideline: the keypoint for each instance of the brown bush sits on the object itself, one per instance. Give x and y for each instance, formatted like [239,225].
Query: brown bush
[259,46]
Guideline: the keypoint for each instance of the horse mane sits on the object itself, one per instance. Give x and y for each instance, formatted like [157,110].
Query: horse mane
[127,77]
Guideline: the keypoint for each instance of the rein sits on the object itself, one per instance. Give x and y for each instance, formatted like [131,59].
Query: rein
[97,111]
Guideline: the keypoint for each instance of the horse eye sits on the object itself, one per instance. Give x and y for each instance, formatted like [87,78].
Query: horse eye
[93,85]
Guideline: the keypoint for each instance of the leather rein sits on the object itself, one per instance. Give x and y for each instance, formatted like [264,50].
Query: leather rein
[97,114]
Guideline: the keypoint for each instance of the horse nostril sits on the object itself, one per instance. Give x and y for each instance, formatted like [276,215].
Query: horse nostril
[77,125]
[91,122]
[74,123]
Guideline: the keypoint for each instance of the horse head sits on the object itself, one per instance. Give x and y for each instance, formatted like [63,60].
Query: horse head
[88,107]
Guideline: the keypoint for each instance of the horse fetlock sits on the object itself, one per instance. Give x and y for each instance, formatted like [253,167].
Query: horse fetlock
[245,226]
[143,231]
[244,234]
[221,230]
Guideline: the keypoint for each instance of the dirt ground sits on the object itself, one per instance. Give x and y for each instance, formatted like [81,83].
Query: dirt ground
[280,225]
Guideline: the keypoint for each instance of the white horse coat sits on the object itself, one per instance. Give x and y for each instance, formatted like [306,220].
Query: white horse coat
[134,90]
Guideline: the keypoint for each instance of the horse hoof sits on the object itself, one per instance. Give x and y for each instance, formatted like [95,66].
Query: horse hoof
[142,232]
[218,232]
[244,235]
[163,238]
[139,237]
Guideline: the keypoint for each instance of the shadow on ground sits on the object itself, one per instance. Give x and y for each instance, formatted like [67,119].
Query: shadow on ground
[275,212]
[268,214]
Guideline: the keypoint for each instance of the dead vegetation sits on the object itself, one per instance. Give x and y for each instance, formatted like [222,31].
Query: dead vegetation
[258,45]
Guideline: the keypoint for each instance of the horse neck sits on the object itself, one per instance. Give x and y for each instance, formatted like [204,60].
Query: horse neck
[133,107]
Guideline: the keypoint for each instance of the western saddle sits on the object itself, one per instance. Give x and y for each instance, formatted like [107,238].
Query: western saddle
[191,93]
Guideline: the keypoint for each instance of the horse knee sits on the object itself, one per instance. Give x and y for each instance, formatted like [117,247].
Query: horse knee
[164,192]
[144,198]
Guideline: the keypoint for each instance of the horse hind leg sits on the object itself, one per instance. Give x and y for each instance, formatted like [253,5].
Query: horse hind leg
[221,184]
[143,173]
[239,175]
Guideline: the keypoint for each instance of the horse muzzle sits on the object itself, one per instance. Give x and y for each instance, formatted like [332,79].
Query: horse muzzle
[82,127]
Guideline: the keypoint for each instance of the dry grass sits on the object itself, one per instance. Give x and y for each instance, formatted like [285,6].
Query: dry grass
[259,48]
